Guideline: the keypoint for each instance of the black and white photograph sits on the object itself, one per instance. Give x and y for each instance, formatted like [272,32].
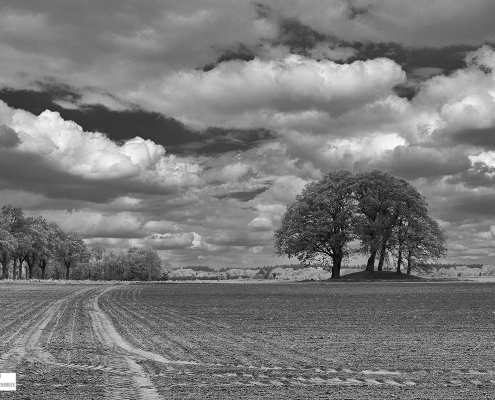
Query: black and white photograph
[247,199]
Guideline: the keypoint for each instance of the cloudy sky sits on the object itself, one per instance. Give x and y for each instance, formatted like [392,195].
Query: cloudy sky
[188,126]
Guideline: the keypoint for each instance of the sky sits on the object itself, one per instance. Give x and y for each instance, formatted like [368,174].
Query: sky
[188,126]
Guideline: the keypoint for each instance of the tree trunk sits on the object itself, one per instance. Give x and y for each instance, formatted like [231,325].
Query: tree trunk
[42,265]
[67,270]
[336,264]
[14,269]
[399,261]
[370,265]
[409,262]
[5,266]
[31,261]
[21,260]
[383,251]
[30,265]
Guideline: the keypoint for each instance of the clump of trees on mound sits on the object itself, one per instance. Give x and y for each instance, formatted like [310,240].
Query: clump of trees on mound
[32,247]
[381,213]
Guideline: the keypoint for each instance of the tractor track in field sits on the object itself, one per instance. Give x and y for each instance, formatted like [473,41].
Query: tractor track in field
[34,341]
[24,342]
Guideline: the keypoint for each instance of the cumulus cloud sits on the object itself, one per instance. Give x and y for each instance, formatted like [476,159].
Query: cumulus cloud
[8,137]
[57,152]
[261,224]
[247,94]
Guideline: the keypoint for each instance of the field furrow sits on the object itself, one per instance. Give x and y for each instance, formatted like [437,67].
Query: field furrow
[281,337]
[278,341]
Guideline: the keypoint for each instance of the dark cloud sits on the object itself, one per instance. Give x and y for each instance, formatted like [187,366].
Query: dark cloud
[217,140]
[242,195]
[118,125]
[124,125]
[299,37]
[262,10]
[58,91]
[32,173]
[449,58]
[461,207]
[480,175]
[354,11]
[406,91]
[482,137]
[413,162]
[239,238]
[240,53]
[8,137]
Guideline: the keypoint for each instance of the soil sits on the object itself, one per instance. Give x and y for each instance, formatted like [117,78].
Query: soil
[368,340]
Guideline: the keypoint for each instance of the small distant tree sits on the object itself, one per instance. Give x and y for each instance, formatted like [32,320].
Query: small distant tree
[72,251]
[143,263]
[317,227]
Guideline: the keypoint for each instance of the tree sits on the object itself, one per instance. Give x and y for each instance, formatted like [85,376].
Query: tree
[72,251]
[7,242]
[425,243]
[384,202]
[53,246]
[143,263]
[38,242]
[318,226]
[385,213]
[375,202]
[407,205]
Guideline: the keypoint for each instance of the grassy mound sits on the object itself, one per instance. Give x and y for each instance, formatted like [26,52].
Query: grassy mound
[379,275]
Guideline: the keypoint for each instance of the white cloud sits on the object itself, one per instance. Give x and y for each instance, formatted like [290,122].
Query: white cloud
[263,93]
[261,224]
[92,155]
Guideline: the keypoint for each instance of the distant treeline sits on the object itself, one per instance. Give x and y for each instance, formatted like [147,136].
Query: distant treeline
[438,266]
[34,248]
[266,269]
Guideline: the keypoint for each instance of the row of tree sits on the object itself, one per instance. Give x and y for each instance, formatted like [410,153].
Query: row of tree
[383,213]
[32,247]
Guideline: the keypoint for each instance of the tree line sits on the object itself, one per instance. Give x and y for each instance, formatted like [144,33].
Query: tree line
[382,214]
[32,247]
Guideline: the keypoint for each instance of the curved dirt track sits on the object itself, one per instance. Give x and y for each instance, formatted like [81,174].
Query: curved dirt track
[223,342]
[67,335]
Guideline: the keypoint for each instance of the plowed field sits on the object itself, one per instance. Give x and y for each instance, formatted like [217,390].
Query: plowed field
[249,341]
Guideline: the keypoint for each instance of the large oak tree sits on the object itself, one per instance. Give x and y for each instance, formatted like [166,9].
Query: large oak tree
[318,225]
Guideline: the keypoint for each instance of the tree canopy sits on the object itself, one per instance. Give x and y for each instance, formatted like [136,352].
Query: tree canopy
[381,212]
[318,225]
[45,249]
